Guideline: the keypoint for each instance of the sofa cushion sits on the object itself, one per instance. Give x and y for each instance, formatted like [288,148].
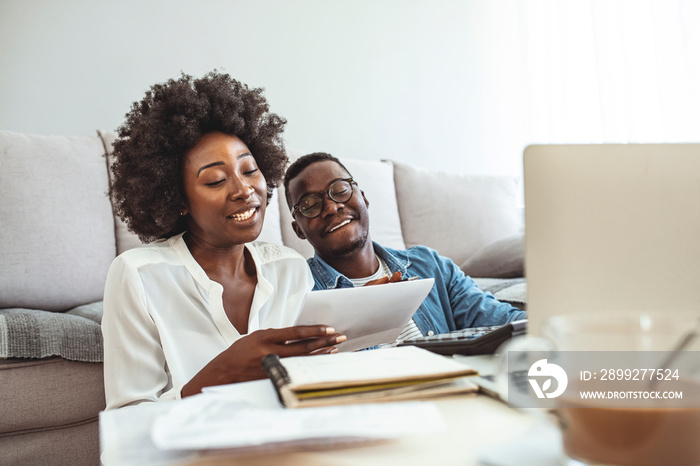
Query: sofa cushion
[509,290]
[75,335]
[272,230]
[376,179]
[126,240]
[452,213]
[76,445]
[503,258]
[54,393]
[57,237]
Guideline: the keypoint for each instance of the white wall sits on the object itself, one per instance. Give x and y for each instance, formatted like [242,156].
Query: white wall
[438,83]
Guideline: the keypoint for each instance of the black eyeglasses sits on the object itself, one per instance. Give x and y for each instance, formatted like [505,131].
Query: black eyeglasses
[311,205]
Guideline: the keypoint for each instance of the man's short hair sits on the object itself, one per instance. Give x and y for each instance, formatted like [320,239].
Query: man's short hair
[301,163]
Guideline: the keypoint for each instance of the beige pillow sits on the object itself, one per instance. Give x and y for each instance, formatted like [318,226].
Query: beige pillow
[57,235]
[503,258]
[452,213]
[376,179]
[125,239]
[272,231]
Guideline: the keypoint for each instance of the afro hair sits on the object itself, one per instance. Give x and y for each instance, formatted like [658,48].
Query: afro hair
[146,184]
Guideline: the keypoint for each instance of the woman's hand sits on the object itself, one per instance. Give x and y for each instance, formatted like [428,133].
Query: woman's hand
[242,361]
[396,277]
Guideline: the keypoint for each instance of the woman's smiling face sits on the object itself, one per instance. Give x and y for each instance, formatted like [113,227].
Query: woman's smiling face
[225,192]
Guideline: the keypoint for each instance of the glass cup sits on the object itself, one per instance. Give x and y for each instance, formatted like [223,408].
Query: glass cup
[618,393]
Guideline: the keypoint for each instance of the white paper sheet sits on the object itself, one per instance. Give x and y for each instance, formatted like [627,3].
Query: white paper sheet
[539,446]
[125,437]
[210,421]
[256,393]
[367,315]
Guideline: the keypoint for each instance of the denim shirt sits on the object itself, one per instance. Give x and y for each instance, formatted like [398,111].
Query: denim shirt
[455,301]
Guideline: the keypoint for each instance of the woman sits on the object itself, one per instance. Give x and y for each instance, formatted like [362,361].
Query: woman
[195,164]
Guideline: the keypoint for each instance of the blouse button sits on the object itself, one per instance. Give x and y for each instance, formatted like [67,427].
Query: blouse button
[430,333]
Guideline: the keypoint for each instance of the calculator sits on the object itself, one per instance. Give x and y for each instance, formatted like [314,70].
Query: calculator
[469,341]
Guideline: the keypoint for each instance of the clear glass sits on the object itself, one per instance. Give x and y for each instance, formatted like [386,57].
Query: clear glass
[596,434]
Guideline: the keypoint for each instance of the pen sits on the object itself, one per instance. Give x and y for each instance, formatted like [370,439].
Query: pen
[409,279]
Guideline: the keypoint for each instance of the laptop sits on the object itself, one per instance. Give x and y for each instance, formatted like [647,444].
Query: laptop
[610,228]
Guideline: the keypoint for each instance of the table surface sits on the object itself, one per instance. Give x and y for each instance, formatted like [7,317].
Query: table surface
[477,425]
[474,422]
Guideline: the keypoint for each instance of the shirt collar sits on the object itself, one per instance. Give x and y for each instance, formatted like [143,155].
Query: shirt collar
[393,259]
[331,278]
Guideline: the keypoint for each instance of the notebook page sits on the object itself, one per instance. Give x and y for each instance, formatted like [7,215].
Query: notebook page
[370,366]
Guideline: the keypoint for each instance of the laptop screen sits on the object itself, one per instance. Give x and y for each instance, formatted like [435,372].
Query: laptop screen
[612,227]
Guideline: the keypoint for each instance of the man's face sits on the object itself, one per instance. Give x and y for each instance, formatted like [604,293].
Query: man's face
[342,227]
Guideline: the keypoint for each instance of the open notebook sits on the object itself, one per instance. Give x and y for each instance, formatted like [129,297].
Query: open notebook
[388,374]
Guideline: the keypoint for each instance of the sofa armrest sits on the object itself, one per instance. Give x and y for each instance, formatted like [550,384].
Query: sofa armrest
[502,258]
[509,290]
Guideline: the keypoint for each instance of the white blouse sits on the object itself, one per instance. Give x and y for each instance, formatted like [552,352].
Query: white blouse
[164,319]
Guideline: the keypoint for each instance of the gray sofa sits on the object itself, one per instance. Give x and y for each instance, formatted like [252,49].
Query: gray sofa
[58,236]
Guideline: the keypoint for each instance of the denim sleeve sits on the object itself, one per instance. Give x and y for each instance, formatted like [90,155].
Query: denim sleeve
[472,307]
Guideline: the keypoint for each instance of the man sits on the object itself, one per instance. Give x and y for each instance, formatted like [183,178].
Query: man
[330,211]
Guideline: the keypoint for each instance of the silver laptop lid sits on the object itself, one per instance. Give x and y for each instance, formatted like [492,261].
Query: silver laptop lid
[612,227]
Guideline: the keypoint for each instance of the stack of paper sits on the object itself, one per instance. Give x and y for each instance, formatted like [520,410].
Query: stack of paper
[388,374]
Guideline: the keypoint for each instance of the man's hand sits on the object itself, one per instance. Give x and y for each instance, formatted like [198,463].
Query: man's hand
[396,277]
[242,361]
